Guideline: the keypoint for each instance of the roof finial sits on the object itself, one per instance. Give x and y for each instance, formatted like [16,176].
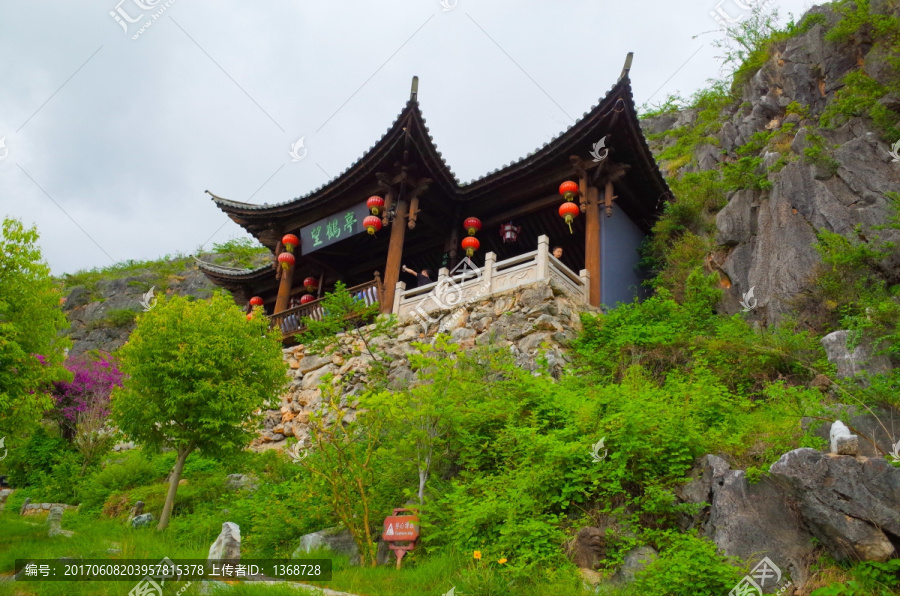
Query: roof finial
[414,92]
[627,66]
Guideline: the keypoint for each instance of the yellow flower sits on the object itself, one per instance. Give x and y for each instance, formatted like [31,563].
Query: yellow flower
[502,561]
[477,554]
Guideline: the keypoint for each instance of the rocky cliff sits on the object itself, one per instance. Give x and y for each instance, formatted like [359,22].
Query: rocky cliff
[818,118]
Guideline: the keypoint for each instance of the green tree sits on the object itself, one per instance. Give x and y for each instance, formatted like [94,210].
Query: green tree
[31,350]
[199,375]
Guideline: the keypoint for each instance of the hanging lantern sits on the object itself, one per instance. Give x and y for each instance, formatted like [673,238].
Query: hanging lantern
[290,241]
[472,225]
[509,232]
[372,224]
[256,301]
[471,244]
[375,204]
[310,284]
[569,211]
[307,298]
[286,259]
[568,190]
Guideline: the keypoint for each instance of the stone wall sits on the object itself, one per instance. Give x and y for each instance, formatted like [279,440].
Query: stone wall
[531,321]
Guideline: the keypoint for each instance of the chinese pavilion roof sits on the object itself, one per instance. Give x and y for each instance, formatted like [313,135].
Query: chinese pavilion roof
[643,190]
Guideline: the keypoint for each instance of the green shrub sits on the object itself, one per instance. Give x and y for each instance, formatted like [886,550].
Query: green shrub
[689,566]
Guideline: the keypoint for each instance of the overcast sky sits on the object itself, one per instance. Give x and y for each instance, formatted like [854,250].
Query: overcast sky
[112,135]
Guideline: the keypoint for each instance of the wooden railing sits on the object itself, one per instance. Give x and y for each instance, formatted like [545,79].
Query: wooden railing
[453,291]
[290,321]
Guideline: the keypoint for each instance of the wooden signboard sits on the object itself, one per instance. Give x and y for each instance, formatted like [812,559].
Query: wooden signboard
[333,228]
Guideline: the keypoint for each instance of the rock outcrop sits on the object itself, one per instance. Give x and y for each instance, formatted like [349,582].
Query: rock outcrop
[228,544]
[768,236]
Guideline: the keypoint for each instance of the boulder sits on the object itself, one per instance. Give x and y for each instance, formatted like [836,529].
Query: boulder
[850,504]
[337,540]
[240,482]
[4,494]
[749,521]
[228,544]
[843,442]
[587,548]
[312,379]
[635,560]
[859,360]
[136,511]
[142,520]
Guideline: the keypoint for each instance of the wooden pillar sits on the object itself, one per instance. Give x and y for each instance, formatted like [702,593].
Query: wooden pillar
[592,242]
[284,289]
[395,255]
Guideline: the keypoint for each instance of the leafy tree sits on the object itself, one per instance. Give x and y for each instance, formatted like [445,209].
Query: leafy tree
[198,376]
[31,349]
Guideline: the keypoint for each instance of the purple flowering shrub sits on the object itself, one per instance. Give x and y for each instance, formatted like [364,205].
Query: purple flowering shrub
[87,393]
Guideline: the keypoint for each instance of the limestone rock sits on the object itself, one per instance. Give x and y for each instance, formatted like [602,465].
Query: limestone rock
[876,429]
[635,560]
[850,504]
[54,520]
[228,544]
[312,362]
[853,362]
[142,520]
[312,379]
[754,520]
[25,505]
[136,511]
[336,540]
[240,482]
[587,548]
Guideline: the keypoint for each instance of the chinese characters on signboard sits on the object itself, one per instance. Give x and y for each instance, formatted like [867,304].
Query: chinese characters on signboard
[333,228]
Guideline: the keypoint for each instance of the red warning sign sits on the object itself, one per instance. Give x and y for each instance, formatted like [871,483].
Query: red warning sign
[400,527]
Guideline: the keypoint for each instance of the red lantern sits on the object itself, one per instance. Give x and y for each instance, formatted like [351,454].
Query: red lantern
[249,316]
[290,241]
[256,301]
[471,244]
[509,232]
[372,224]
[472,225]
[375,204]
[286,259]
[307,298]
[310,284]
[569,211]
[568,189]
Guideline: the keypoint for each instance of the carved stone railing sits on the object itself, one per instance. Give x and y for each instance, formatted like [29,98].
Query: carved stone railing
[453,291]
[290,321]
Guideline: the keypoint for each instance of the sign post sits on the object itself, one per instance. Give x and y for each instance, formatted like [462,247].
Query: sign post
[401,528]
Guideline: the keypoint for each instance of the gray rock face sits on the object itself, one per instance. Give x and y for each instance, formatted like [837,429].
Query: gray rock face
[861,359]
[228,544]
[337,540]
[751,520]
[142,520]
[850,504]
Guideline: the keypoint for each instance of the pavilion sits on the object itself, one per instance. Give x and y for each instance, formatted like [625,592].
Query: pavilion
[618,190]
